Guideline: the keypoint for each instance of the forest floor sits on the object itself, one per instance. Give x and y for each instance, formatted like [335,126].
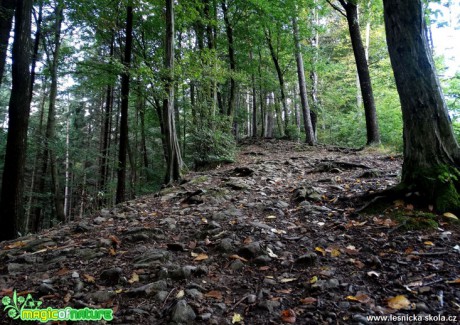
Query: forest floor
[274,238]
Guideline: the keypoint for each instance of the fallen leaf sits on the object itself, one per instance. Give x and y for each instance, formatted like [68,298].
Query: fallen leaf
[237,257]
[264,268]
[270,253]
[456,281]
[399,203]
[180,294]
[359,264]
[359,298]
[450,215]
[308,300]
[399,302]
[314,279]
[115,240]
[270,217]
[62,271]
[335,252]
[17,244]
[134,278]
[409,250]
[247,240]
[288,280]
[201,257]
[373,273]
[89,278]
[214,294]
[321,250]
[67,297]
[112,251]
[237,318]
[429,243]
[285,291]
[288,316]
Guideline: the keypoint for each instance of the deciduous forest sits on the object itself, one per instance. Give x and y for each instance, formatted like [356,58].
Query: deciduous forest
[233,161]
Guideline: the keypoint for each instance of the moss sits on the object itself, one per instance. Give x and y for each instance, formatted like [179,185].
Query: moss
[417,220]
[199,179]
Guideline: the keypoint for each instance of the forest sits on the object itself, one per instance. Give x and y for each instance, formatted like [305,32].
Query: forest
[103,101]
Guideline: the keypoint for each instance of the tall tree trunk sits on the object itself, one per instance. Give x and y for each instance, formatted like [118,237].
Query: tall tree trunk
[309,132]
[38,36]
[231,57]
[107,117]
[6,22]
[280,79]
[372,128]
[173,157]
[123,145]
[11,201]
[431,153]
[313,72]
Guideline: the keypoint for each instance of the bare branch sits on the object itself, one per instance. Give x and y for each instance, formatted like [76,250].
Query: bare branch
[337,8]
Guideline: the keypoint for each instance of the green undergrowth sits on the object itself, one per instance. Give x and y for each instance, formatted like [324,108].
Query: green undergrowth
[415,220]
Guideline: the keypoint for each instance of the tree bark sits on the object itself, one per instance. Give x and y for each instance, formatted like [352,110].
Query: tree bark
[431,152]
[6,22]
[123,144]
[11,202]
[173,157]
[309,132]
[231,58]
[372,128]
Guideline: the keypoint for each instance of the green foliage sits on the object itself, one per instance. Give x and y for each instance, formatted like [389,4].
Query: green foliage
[208,146]
[293,132]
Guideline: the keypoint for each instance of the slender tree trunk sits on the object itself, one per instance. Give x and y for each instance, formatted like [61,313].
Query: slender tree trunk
[313,72]
[6,21]
[231,57]
[373,135]
[173,158]
[431,153]
[38,36]
[281,81]
[11,201]
[309,132]
[123,146]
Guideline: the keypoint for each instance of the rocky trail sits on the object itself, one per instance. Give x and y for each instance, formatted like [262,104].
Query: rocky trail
[274,238]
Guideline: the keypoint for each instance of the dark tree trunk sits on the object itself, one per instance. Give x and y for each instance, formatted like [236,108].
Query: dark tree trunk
[231,57]
[372,128]
[123,145]
[6,21]
[280,79]
[431,152]
[11,203]
[173,156]
[309,131]
[38,35]
[107,117]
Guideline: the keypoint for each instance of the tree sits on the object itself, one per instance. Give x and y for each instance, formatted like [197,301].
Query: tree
[173,155]
[6,21]
[123,148]
[351,13]
[11,201]
[309,131]
[431,153]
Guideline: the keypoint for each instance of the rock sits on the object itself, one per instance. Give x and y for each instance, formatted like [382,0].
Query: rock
[281,205]
[161,296]
[111,276]
[269,305]
[225,245]
[100,296]
[99,220]
[82,227]
[251,298]
[180,273]
[236,265]
[360,318]
[262,260]
[307,259]
[421,306]
[250,250]
[105,213]
[205,316]
[46,289]
[194,293]
[150,258]
[323,285]
[269,281]
[148,289]
[182,313]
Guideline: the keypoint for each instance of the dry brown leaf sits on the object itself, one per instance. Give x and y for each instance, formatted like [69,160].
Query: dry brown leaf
[456,281]
[201,257]
[285,291]
[115,240]
[67,297]
[335,252]
[264,268]
[237,257]
[214,294]
[399,302]
[288,316]
[89,278]
[112,251]
[134,278]
[17,244]
[62,271]
[308,300]
[409,250]
[399,203]
[360,265]
[247,240]
[359,298]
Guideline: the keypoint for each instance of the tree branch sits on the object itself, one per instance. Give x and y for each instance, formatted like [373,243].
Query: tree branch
[337,7]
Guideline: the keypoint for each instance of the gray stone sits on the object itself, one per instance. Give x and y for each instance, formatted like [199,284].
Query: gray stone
[46,289]
[307,259]
[281,205]
[262,260]
[182,313]
[421,306]
[99,220]
[148,289]
[180,273]
[269,305]
[100,296]
[225,245]
[147,259]
[251,298]
[205,316]
[112,275]
[161,296]
[194,293]
[236,265]
[86,253]
[250,250]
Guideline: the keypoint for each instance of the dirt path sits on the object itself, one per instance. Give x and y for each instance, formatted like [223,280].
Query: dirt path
[272,238]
